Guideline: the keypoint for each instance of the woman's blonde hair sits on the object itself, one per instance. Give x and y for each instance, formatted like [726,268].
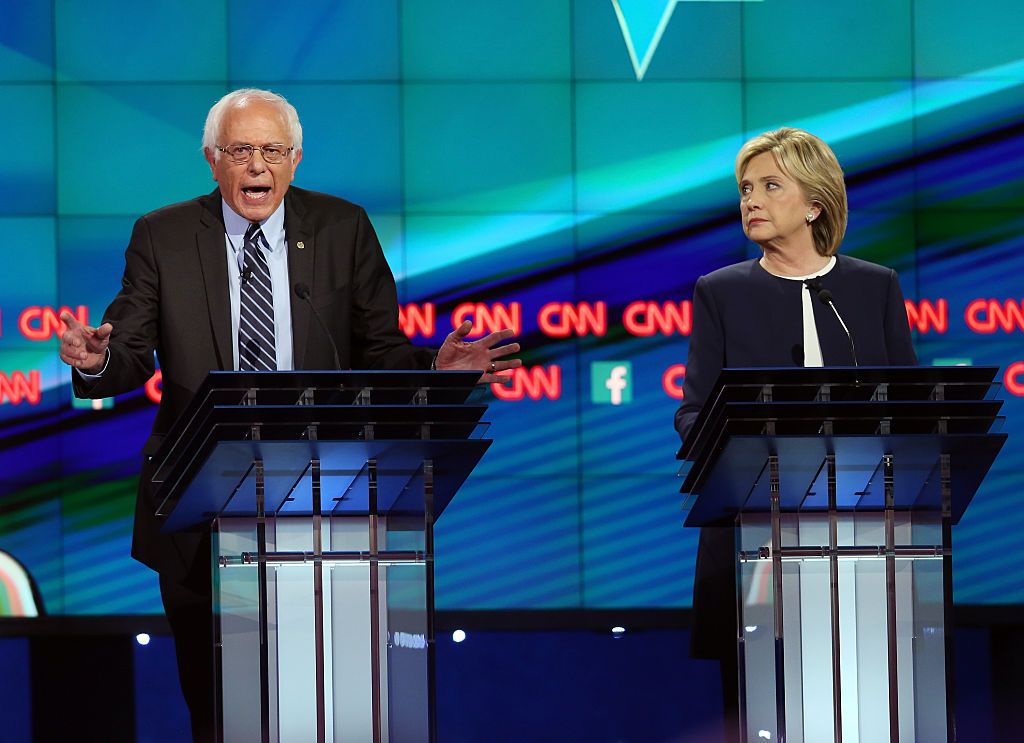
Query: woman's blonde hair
[811,163]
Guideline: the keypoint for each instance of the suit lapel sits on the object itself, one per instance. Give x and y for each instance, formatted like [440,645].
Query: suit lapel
[214,262]
[299,236]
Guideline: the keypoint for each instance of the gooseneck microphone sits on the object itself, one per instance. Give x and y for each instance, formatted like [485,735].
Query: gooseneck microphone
[303,293]
[825,296]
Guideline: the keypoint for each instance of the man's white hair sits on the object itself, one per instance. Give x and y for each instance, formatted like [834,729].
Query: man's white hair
[238,98]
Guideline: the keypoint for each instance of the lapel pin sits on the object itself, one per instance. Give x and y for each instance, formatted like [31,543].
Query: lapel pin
[300,245]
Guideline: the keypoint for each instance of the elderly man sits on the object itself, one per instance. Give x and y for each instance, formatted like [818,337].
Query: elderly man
[222,282]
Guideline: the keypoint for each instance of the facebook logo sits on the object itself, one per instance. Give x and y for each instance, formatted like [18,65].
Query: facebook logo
[611,382]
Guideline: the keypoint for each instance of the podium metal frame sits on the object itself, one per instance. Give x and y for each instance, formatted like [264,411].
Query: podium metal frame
[277,464]
[800,461]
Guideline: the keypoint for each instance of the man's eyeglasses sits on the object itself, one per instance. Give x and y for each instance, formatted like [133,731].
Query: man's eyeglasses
[242,153]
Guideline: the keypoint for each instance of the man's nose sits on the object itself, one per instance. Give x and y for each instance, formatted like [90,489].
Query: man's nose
[256,163]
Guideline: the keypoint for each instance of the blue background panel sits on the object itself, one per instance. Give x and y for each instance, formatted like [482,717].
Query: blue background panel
[959,251]
[390,233]
[962,164]
[27,179]
[987,535]
[156,133]
[109,40]
[474,254]
[613,442]
[91,250]
[494,147]
[510,153]
[30,255]
[953,38]
[660,145]
[318,40]
[470,40]
[351,140]
[851,39]
[885,237]
[632,553]
[950,110]
[506,544]
[26,43]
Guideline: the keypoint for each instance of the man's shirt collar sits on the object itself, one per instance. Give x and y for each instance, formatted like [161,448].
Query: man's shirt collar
[235,225]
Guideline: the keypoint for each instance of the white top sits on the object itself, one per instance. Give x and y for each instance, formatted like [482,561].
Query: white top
[812,348]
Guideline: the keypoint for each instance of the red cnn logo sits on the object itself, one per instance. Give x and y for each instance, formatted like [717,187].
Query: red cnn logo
[1014,378]
[672,381]
[648,318]
[417,319]
[988,315]
[154,387]
[535,382]
[43,323]
[562,319]
[489,318]
[14,388]
[925,316]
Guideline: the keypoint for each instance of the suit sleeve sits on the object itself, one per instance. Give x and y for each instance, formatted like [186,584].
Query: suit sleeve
[898,344]
[135,315]
[705,358]
[379,341]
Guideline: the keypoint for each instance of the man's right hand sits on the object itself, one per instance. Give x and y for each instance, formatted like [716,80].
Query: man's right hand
[82,346]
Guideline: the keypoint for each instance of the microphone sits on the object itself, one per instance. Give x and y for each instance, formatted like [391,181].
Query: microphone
[302,292]
[246,275]
[814,284]
[826,298]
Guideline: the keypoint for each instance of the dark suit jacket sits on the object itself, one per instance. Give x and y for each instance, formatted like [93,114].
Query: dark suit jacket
[744,316]
[174,300]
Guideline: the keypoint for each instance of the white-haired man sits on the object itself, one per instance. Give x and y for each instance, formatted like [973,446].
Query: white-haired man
[208,284]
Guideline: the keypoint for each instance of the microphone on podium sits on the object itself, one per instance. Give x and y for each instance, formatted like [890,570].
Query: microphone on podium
[302,292]
[825,296]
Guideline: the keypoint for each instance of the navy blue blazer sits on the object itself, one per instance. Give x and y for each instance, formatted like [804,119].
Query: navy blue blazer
[744,316]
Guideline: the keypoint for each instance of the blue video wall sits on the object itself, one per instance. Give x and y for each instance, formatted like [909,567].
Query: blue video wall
[561,166]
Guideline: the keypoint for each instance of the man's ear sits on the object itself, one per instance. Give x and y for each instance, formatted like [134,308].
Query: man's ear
[211,160]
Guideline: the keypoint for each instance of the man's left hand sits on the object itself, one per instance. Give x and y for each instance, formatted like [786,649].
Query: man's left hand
[457,353]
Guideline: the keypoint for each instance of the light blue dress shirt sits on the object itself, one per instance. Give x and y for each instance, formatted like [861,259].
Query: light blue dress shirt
[275,248]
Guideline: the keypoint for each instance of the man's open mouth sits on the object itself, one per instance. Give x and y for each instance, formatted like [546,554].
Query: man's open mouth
[256,193]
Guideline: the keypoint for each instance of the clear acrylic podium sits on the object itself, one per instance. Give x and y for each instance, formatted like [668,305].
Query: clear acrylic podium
[842,485]
[321,490]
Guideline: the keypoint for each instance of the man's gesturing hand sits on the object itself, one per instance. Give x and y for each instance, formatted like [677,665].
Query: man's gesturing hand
[457,353]
[82,346]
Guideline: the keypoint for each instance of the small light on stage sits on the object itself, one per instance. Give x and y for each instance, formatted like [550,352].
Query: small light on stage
[458,635]
[764,734]
[142,638]
[750,628]
[618,632]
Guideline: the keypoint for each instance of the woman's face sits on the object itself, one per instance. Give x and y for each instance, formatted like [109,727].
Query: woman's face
[773,205]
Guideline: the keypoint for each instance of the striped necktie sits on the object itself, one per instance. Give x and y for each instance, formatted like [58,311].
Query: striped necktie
[256,349]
